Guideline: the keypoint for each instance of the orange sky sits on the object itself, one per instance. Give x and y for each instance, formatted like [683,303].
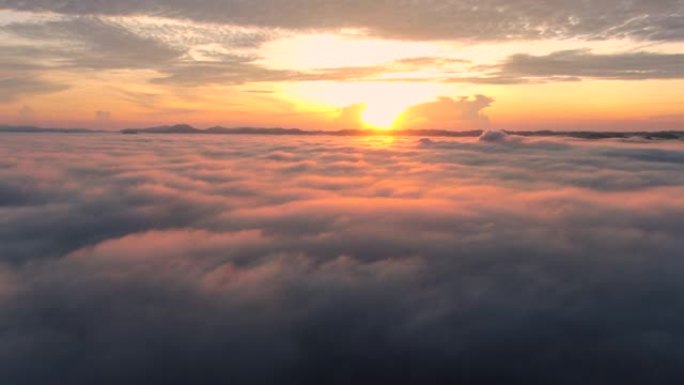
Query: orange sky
[86,66]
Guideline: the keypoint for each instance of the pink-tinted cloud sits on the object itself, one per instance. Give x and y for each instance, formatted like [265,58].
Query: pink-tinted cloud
[179,259]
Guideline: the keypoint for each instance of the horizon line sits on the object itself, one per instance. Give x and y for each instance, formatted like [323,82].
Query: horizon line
[186,129]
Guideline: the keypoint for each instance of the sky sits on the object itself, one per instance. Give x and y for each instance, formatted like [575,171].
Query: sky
[324,64]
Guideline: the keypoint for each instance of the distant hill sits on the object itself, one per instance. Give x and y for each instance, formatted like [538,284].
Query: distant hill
[176,129]
[187,129]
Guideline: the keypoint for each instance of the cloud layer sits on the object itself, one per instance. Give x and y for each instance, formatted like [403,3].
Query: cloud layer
[295,260]
[454,19]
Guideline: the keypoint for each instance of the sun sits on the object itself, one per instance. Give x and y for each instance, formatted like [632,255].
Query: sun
[381,116]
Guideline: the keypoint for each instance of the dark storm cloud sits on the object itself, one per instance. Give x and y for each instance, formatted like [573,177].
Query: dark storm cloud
[658,20]
[181,259]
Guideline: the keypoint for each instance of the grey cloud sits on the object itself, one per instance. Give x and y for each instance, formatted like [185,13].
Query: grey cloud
[235,69]
[174,260]
[585,64]
[508,79]
[187,34]
[91,42]
[494,136]
[575,65]
[28,59]
[492,19]
[94,43]
[22,70]
[13,88]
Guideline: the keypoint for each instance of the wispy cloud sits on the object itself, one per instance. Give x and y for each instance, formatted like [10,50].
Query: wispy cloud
[14,87]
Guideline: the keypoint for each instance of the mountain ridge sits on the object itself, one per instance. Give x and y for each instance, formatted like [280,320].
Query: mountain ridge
[187,129]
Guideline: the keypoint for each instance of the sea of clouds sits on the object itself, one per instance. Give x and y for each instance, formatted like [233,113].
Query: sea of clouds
[320,260]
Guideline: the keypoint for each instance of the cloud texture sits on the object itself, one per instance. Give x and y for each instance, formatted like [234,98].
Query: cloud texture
[316,260]
[657,20]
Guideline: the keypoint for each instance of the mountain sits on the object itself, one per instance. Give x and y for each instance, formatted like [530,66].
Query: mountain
[176,129]
[258,131]
[218,130]
[187,129]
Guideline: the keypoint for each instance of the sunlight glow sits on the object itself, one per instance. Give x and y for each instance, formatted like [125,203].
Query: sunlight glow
[381,116]
[384,101]
[303,51]
[401,94]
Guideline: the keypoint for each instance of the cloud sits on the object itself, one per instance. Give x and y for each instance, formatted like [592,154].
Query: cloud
[444,113]
[92,42]
[26,113]
[351,117]
[103,115]
[492,20]
[237,69]
[180,53]
[13,88]
[447,113]
[494,136]
[131,259]
[575,64]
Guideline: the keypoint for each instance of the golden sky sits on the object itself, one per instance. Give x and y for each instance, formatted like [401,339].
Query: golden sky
[328,64]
